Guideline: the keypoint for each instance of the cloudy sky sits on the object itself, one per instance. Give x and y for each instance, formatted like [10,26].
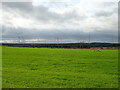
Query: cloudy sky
[63,20]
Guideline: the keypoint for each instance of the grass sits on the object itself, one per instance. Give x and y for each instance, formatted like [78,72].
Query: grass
[59,68]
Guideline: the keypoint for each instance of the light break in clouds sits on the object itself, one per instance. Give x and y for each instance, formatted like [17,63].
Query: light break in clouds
[66,21]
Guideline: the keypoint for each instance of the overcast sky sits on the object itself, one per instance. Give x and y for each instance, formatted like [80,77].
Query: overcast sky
[66,20]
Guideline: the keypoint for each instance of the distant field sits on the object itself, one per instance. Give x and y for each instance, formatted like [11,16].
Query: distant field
[59,68]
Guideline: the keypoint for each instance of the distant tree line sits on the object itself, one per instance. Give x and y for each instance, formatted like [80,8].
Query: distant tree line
[63,45]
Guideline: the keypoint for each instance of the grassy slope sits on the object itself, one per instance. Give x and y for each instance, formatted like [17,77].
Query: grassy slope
[61,68]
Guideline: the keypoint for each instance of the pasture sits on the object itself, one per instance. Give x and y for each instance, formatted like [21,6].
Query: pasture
[59,68]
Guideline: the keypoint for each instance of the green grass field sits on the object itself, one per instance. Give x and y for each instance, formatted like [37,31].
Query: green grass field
[59,68]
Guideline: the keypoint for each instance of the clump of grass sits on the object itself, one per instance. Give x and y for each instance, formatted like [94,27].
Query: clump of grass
[33,68]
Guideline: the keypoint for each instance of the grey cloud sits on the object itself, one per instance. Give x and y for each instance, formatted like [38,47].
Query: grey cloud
[75,35]
[112,6]
[108,4]
[42,14]
[104,14]
[24,6]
